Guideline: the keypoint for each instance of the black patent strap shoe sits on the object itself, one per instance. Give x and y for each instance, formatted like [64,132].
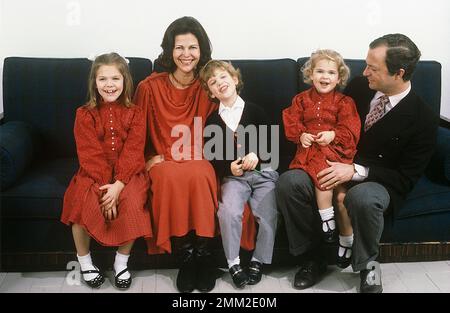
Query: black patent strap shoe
[254,272]
[329,236]
[122,283]
[97,281]
[370,281]
[240,278]
[344,261]
[309,274]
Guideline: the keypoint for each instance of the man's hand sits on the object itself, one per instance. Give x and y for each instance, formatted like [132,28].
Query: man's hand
[336,174]
[324,138]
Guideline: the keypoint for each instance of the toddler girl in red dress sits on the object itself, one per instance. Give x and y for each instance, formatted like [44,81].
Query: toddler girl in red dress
[325,125]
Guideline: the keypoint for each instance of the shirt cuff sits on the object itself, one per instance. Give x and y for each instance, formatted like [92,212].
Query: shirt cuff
[361,173]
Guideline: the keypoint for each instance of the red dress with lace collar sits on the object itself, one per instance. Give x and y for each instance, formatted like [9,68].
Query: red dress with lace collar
[312,113]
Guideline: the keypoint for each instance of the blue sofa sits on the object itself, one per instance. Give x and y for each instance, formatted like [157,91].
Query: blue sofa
[38,159]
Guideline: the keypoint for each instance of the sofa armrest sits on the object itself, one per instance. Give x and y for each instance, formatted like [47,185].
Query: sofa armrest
[18,145]
[438,169]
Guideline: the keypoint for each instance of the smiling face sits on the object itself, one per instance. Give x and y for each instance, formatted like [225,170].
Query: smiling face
[223,86]
[109,82]
[186,53]
[377,72]
[325,76]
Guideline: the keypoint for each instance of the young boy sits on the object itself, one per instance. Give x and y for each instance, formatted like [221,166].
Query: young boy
[242,179]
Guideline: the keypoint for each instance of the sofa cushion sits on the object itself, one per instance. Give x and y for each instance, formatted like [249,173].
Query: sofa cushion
[45,92]
[271,84]
[39,193]
[427,197]
[438,169]
[426,80]
[18,142]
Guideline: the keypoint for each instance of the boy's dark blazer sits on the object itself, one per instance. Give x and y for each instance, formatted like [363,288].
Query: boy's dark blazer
[398,147]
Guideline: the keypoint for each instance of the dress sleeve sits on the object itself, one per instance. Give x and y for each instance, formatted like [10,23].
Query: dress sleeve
[89,148]
[347,128]
[293,120]
[131,158]
[142,99]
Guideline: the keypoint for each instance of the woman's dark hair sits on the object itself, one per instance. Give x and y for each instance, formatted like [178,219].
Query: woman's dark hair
[402,53]
[182,26]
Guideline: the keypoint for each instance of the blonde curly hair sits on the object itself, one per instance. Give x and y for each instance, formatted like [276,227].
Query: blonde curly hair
[326,54]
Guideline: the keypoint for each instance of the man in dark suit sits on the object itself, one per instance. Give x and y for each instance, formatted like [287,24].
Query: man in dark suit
[397,141]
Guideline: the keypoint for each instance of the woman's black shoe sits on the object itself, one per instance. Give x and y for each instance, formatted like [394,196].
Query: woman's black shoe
[187,275]
[254,272]
[240,278]
[122,283]
[206,276]
[97,281]
[343,261]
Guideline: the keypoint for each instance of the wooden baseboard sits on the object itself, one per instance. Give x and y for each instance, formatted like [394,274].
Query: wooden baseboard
[57,261]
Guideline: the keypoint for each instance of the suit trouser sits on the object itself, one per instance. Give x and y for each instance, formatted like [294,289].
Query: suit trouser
[259,191]
[365,202]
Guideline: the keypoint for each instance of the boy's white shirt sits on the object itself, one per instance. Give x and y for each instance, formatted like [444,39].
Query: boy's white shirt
[232,115]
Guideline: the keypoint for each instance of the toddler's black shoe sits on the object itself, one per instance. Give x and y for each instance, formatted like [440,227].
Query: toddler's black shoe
[122,283]
[329,236]
[343,261]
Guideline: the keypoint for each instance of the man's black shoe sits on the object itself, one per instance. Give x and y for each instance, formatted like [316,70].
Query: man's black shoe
[370,281]
[254,272]
[240,278]
[308,274]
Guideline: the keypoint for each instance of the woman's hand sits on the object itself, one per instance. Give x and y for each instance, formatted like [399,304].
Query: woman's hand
[153,161]
[249,162]
[324,138]
[307,139]
[236,167]
[110,199]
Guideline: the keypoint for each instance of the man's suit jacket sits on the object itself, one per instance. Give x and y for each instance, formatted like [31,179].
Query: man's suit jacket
[398,147]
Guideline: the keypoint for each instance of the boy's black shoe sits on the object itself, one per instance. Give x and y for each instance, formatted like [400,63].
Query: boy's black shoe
[254,272]
[240,278]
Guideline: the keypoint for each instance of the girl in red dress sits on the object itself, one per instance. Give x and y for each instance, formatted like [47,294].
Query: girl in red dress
[106,199]
[183,184]
[325,126]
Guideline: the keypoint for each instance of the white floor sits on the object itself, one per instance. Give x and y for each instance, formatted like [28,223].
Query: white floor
[421,277]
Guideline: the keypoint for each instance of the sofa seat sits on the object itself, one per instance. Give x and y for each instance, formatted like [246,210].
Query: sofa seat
[39,193]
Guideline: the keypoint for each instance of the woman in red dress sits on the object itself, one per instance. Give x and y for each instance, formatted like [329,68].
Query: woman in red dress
[183,184]
[325,126]
[106,199]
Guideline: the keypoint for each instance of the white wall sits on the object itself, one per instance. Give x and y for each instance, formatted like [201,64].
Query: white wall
[252,29]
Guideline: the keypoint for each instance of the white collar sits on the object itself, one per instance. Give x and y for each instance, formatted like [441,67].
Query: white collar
[395,99]
[238,104]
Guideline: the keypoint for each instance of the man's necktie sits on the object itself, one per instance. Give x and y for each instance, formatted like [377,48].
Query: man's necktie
[376,113]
